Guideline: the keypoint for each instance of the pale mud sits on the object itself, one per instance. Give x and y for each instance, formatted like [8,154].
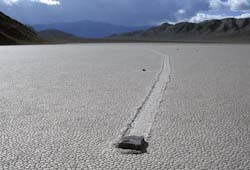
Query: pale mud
[61,106]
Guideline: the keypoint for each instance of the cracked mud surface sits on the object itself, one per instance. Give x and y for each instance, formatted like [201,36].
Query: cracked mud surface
[62,106]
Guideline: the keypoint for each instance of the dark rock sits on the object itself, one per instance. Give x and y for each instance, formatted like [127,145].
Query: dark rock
[144,70]
[137,143]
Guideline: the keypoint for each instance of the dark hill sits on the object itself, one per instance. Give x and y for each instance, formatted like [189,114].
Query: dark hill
[13,32]
[225,30]
[57,36]
[89,29]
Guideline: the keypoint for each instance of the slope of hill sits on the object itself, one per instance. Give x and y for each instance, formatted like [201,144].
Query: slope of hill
[225,30]
[89,29]
[13,32]
[57,36]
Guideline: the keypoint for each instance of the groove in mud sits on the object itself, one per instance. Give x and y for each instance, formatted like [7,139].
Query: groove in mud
[141,123]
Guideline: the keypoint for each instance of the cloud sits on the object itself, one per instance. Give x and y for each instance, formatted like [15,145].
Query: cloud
[181,11]
[10,2]
[199,17]
[47,2]
[233,5]
[121,12]
[246,15]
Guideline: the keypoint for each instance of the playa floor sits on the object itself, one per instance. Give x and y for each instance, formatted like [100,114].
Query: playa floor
[66,106]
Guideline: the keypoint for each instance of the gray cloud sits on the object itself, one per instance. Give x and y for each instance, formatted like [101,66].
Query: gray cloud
[199,17]
[47,2]
[233,5]
[124,12]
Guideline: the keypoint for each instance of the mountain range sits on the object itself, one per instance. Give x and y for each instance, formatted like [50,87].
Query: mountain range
[89,29]
[225,30]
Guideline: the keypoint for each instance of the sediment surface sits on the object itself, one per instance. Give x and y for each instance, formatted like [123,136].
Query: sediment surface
[62,106]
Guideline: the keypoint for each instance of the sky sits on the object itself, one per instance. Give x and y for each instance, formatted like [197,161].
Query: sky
[123,12]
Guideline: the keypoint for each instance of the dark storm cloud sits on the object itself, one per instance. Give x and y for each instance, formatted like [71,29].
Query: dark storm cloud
[126,12]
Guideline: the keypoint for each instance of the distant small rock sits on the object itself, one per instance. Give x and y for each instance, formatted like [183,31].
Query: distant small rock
[144,70]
